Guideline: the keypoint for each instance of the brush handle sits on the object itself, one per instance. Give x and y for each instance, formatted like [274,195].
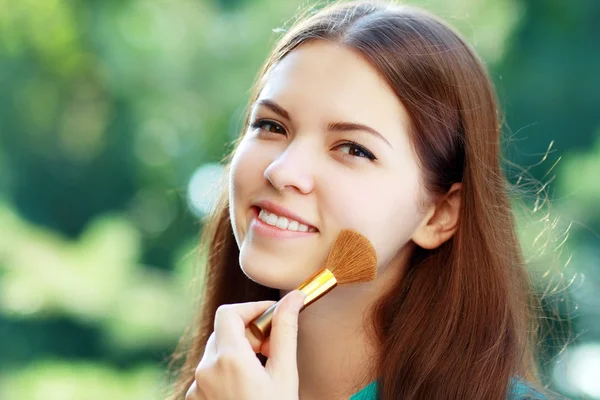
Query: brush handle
[315,287]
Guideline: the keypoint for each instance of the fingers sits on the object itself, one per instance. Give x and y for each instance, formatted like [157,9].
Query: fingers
[265,347]
[284,337]
[254,341]
[231,321]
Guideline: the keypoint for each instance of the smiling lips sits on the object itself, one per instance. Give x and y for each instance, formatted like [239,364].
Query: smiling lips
[283,222]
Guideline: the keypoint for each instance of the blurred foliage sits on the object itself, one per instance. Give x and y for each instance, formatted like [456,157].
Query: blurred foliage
[107,108]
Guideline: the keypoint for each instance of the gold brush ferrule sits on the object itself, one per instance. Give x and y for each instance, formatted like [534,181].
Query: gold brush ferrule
[315,287]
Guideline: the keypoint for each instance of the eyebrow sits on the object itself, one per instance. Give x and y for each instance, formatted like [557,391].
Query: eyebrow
[352,126]
[276,108]
[333,127]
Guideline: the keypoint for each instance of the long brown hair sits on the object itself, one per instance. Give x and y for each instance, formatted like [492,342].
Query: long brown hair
[459,324]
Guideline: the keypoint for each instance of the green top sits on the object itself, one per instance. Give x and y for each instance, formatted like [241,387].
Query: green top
[520,391]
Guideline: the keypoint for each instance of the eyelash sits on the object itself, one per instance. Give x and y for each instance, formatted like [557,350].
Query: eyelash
[259,124]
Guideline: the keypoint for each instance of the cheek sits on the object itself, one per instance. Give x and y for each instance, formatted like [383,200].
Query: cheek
[383,208]
[243,167]
[245,178]
[251,159]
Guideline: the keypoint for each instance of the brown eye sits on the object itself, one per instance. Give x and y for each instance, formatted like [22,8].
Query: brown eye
[356,150]
[269,126]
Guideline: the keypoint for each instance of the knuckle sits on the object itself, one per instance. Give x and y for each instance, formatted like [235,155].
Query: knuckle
[200,373]
[227,361]
[202,389]
[223,311]
[204,371]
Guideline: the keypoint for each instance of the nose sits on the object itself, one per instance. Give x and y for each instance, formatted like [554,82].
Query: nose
[292,170]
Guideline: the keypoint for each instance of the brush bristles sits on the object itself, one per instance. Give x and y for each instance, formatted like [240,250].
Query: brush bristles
[352,258]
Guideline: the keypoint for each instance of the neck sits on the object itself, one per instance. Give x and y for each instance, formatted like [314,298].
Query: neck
[336,352]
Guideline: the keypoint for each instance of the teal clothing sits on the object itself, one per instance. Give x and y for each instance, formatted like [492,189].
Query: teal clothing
[369,392]
[520,391]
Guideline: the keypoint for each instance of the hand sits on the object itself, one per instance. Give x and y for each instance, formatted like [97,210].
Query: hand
[230,370]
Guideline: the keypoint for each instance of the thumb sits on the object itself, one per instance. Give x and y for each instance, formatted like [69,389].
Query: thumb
[284,338]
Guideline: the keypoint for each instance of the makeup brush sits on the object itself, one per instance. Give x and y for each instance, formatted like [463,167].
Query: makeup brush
[352,259]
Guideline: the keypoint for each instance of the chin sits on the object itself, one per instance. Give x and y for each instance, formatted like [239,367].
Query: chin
[266,278]
[272,272]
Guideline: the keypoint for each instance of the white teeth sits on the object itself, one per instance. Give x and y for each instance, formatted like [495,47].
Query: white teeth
[272,219]
[293,226]
[283,222]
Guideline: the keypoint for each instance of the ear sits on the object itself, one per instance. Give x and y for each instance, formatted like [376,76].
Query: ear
[441,220]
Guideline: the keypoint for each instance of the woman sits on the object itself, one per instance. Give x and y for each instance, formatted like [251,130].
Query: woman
[381,119]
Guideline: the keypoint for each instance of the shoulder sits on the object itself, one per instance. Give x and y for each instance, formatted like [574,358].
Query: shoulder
[519,390]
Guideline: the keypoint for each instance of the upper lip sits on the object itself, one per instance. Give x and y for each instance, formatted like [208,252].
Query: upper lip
[282,212]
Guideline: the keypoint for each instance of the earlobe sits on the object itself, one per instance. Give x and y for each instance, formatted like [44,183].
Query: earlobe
[441,220]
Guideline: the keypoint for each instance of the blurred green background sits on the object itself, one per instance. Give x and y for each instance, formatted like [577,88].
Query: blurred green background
[114,116]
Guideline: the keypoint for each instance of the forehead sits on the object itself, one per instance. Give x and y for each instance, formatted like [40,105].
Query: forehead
[325,77]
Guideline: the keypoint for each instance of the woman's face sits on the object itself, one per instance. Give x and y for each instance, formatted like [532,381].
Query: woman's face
[327,148]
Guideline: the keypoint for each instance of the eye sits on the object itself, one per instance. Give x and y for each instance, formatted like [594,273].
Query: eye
[269,126]
[356,150]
